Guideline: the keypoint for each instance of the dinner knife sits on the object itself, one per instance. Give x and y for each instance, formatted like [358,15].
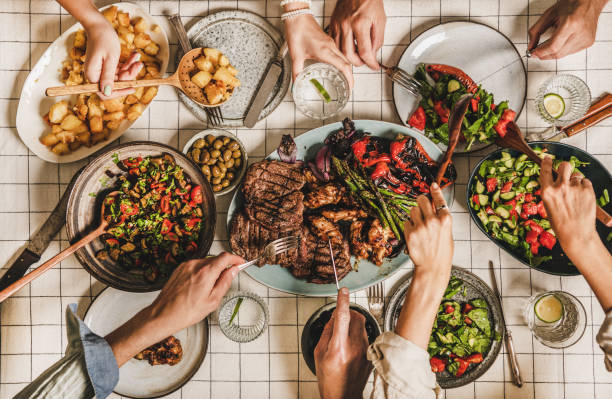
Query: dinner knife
[331,253]
[598,111]
[263,92]
[39,241]
[514,366]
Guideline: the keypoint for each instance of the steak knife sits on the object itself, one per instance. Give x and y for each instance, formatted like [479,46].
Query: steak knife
[272,73]
[39,241]
[514,366]
[331,253]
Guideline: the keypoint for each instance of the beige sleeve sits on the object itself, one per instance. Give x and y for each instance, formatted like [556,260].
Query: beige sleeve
[604,339]
[401,369]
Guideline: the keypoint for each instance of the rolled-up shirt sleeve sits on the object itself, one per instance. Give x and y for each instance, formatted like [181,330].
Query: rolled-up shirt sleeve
[604,339]
[89,367]
[401,369]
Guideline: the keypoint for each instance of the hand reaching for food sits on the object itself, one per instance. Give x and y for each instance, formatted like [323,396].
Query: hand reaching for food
[340,356]
[574,25]
[127,70]
[358,28]
[194,290]
[307,40]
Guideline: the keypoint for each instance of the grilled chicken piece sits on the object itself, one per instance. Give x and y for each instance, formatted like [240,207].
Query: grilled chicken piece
[325,229]
[378,238]
[345,214]
[311,180]
[169,351]
[328,194]
[360,248]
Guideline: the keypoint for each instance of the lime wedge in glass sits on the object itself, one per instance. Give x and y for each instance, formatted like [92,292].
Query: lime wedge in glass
[321,90]
[549,309]
[554,105]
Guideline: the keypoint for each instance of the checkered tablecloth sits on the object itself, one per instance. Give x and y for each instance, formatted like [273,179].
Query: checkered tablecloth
[32,322]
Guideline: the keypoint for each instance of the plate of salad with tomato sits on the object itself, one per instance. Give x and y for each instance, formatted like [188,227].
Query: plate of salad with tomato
[504,200]
[466,335]
[491,70]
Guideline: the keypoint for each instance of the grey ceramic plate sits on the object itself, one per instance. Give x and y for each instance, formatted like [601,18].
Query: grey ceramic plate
[474,288]
[250,43]
[308,343]
[83,214]
[484,52]
[138,379]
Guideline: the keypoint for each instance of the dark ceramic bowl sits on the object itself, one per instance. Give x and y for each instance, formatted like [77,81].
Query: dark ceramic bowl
[474,288]
[315,324]
[83,213]
[595,171]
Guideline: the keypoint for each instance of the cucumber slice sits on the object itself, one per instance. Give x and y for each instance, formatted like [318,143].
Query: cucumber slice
[324,94]
[482,215]
[509,163]
[505,155]
[502,169]
[521,158]
[453,85]
[503,212]
[483,199]
[510,239]
[495,218]
[554,105]
[492,170]
[508,196]
[528,172]
[548,309]
[532,184]
[479,187]
[510,223]
[496,196]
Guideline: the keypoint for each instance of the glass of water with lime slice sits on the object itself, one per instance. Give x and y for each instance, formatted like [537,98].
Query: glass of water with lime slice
[563,99]
[320,91]
[556,318]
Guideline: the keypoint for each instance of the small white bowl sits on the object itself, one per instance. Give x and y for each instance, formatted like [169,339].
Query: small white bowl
[221,133]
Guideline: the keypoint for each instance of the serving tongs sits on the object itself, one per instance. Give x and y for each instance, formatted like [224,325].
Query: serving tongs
[514,139]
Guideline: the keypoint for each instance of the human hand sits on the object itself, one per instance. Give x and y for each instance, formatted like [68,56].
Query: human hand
[340,356]
[570,204]
[103,51]
[127,70]
[194,290]
[429,236]
[307,40]
[574,25]
[361,21]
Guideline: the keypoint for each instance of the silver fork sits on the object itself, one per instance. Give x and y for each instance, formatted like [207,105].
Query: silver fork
[274,248]
[403,79]
[376,302]
[214,115]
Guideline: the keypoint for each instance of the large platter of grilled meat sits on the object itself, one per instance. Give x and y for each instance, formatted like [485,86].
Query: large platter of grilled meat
[279,198]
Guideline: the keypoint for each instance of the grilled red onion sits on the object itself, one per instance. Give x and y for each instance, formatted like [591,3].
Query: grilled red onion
[287,149]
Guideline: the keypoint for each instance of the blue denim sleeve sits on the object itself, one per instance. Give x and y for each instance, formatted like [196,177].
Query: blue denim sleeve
[89,367]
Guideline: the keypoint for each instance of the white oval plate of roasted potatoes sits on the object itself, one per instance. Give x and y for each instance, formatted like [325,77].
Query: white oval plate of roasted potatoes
[79,125]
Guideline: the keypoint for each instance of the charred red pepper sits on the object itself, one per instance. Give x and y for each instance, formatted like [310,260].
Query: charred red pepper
[418,119]
[164,204]
[457,73]
[374,160]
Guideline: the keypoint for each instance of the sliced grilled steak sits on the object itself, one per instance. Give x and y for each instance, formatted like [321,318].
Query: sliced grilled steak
[284,213]
[272,179]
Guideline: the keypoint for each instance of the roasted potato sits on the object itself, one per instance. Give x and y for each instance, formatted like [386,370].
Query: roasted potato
[79,39]
[141,25]
[71,122]
[58,112]
[113,105]
[95,124]
[201,79]
[49,139]
[223,75]
[110,14]
[135,111]
[215,92]
[142,40]
[61,149]
[148,94]
[204,64]
[212,54]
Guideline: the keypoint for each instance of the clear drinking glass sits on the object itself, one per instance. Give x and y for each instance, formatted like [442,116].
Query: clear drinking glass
[561,333]
[310,101]
[575,94]
[250,320]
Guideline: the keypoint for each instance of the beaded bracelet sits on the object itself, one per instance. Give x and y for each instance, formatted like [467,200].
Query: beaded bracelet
[295,13]
[285,2]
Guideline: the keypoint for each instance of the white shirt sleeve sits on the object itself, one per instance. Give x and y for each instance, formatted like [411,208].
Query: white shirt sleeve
[604,339]
[401,369]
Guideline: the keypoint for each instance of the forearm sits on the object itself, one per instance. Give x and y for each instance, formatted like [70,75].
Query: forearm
[83,11]
[420,307]
[595,263]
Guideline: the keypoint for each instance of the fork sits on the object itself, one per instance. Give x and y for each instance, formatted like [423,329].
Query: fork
[376,302]
[214,115]
[402,78]
[274,248]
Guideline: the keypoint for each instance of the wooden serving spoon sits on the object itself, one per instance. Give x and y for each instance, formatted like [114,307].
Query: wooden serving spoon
[455,121]
[514,139]
[181,79]
[28,278]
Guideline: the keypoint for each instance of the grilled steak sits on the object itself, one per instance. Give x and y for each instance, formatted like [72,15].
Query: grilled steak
[269,180]
[283,213]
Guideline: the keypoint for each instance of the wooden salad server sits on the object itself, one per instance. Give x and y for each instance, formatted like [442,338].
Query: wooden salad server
[28,278]
[514,139]
[181,79]
[455,120]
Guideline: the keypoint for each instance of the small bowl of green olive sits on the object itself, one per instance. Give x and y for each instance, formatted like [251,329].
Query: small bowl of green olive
[220,156]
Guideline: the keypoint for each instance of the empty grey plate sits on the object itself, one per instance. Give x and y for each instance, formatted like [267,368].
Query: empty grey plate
[474,288]
[250,43]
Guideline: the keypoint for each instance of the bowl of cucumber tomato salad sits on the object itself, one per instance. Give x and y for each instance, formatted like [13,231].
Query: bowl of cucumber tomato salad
[504,200]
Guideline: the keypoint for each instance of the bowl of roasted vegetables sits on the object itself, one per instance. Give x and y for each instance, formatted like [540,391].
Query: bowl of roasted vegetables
[163,214]
[466,335]
[504,199]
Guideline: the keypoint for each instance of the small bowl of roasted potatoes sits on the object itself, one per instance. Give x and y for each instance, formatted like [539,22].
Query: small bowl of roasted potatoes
[215,76]
[220,156]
